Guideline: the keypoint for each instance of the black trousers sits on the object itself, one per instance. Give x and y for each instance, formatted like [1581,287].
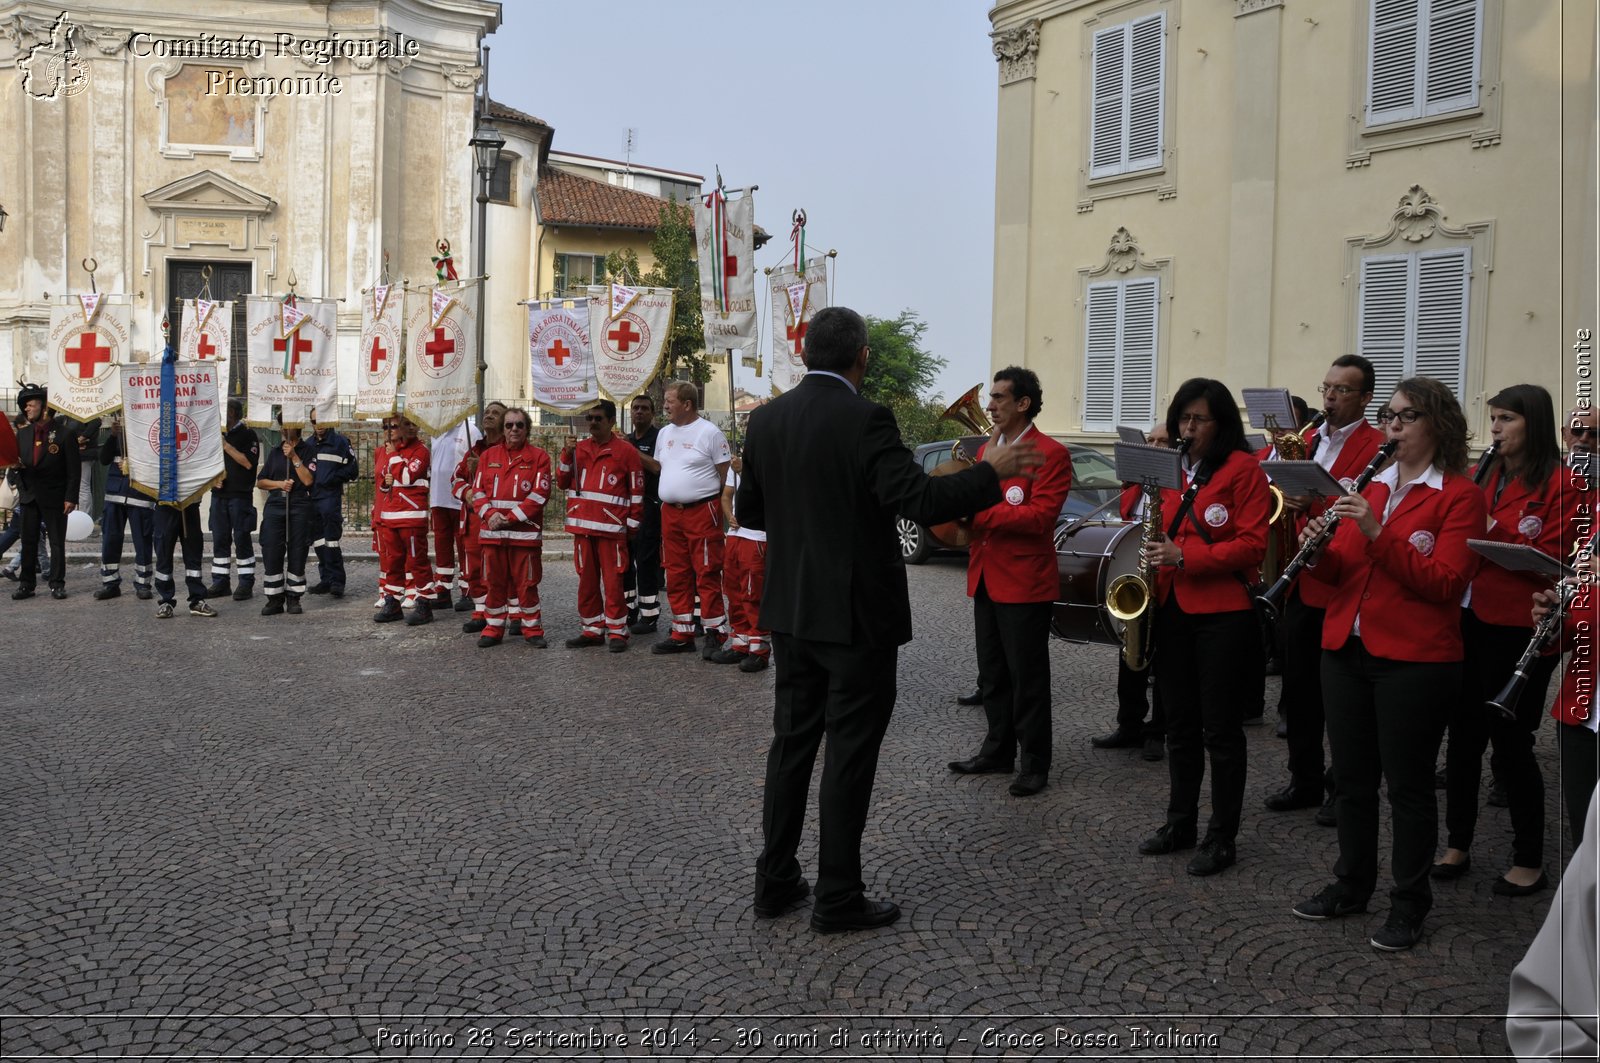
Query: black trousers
[847,693]
[1491,655]
[641,581]
[1580,767]
[1135,697]
[1014,679]
[174,526]
[1302,692]
[1206,668]
[1385,720]
[49,512]
[280,545]
[232,521]
[328,528]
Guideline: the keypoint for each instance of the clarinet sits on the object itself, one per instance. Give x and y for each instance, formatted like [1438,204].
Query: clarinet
[1505,702]
[1481,475]
[1271,602]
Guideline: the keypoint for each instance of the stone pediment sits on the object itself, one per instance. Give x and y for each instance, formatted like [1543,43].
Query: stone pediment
[208,192]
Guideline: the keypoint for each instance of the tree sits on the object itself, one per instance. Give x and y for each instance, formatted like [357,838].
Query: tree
[900,372]
[673,248]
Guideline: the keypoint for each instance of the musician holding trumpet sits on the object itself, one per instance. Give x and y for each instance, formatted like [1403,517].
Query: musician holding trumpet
[1398,561]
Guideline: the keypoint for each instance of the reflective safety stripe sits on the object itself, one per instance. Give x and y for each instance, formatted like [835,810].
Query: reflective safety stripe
[593,525]
[330,456]
[406,514]
[509,534]
[593,496]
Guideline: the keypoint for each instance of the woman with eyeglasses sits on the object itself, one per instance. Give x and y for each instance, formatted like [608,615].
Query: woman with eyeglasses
[1531,496]
[1209,662]
[1391,664]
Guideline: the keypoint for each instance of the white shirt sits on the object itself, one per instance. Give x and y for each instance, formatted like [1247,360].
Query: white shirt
[689,455]
[1333,442]
[741,531]
[446,452]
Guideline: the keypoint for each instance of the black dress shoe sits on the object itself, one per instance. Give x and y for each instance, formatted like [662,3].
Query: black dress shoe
[108,592]
[318,588]
[1215,855]
[475,625]
[1292,797]
[1155,748]
[1503,888]
[981,766]
[1447,872]
[1118,739]
[58,593]
[1498,798]
[580,642]
[1328,814]
[974,698]
[1167,839]
[670,645]
[867,916]
[1028,783]
[784,901]
[21,592]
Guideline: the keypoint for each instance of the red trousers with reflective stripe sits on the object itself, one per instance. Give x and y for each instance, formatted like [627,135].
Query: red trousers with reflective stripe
[512,572]
[744,576]
[691,550]
[472,573]
[444,522]
[403,550]
[600,564]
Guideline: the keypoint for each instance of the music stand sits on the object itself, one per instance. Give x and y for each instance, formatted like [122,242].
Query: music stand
[1299,478]
[1256,441]
[1130,435]
[1140,463]
[1270,408]
[1519,557]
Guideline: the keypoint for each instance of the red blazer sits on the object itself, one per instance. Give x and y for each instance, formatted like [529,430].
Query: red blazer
[1407,583]
[1543,519]
[1129,505]
[1013,548]
[1357,451]
[1575,702]
[1234,506]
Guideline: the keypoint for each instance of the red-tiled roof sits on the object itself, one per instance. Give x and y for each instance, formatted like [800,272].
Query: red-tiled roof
[511,114]
[570,199]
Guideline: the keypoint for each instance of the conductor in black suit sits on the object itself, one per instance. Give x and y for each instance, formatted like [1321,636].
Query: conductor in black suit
[49,471]
[825,473]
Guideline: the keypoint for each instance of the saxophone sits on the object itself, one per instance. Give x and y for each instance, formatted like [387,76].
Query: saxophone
[1130,596]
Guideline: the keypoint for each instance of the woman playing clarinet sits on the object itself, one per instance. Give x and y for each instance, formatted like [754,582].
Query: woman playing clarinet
[1391,662]
[1530,495]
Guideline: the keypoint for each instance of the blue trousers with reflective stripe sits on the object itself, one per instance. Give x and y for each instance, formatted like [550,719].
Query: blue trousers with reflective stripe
[112,519]
[327,528]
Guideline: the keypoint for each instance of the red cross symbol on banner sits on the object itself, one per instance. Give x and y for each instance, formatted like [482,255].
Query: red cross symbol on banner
[205,349]
[377,356]
[439,347]
[730,267]
[558,353]
[88,356]
[301,346]
[624,336]
[797,334]
[183,437]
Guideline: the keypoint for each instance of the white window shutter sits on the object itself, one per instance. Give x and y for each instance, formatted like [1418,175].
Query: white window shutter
[1440,344]
[1146,77]
[1385,321]
[1453,54]
[1107,136]
[1136,385]
[1392,75]
[1103,320]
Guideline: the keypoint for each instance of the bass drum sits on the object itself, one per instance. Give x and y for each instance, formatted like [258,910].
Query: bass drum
[1088,557]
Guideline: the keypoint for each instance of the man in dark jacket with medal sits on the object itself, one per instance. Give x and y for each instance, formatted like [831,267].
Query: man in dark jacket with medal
[50,469]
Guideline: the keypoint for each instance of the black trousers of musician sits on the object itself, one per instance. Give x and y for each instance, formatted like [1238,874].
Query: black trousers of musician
[1205,671]
[280,545]
[1580,768]
[1302,692]
[1014,679]
[641,583]
[1135,697]
[49,512]
[1385,721]
[847,693]
[1491,655]
[175,526]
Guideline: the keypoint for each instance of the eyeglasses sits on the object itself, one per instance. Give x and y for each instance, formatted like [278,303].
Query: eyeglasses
[1340,390]
[1581,433]
[1195,418]
[593,417]
[387,427]
[1407,416]
[519,425]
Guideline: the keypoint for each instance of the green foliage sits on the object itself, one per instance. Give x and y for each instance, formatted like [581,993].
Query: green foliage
[919,419]
[899,367]
[673,246]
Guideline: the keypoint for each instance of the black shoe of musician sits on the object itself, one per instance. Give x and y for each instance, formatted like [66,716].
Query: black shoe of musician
[1214,855]
[974,698]
[1155,748]
[58,593]
[1332,903]
[1292,797]
[1118,739]
[1328,814]
[1028,783]
[981,765]
[1167,839]
[1498,798]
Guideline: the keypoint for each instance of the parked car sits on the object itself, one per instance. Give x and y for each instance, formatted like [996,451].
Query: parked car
[1094,484]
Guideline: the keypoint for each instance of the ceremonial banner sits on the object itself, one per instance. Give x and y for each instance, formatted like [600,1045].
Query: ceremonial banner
[90,335]
[292,361]
[207,334]
[725,234]
[795,299]
[442,355]
[378,360]
[562,364]
[628,344]
[196,441]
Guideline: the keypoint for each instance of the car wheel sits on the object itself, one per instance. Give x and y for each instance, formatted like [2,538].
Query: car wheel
[914,541]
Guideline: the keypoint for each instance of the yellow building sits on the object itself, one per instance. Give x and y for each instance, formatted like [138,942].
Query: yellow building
[1247,189]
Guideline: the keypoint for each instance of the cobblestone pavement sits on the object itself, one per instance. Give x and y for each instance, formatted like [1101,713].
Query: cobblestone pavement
[313,836]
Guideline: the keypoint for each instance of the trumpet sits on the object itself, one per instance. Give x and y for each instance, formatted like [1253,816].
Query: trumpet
[1271,601]
[1129,596]
[1548,627]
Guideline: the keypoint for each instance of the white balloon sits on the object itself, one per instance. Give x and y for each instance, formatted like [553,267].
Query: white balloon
[79,525]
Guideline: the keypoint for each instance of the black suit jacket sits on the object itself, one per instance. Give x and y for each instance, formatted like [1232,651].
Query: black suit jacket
[54,479]
[825,473]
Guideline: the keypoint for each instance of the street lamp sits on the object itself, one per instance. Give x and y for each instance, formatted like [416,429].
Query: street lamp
[486,144]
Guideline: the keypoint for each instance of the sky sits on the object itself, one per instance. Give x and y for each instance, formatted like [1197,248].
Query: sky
[877,117]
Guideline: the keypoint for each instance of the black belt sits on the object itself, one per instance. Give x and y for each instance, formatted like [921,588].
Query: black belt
[691,505]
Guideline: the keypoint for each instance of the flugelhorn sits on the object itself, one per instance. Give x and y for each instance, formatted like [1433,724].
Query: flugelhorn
[968,413]
[1271,602]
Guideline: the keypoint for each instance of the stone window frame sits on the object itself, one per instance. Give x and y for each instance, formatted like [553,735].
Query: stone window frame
[1125,261]
[1161,179]
[156,78]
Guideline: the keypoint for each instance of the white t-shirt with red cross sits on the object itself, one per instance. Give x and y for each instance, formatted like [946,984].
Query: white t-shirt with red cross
[689,455]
